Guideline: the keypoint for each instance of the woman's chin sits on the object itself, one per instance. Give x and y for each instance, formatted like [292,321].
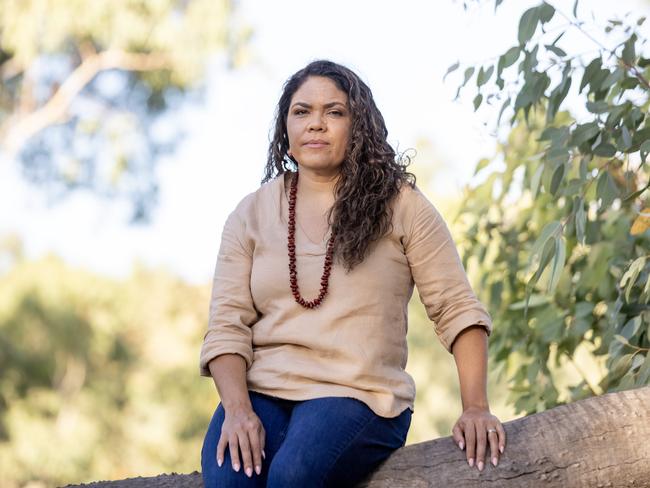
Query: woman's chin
[316,164]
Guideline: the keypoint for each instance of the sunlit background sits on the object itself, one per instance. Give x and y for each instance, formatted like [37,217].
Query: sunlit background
[111,309]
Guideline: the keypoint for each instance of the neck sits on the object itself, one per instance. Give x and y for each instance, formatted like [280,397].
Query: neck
[317,184]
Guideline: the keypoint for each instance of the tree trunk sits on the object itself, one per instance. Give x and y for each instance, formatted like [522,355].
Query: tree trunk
[598,442]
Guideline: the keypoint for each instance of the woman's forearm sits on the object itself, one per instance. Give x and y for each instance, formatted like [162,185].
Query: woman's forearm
[470,352]
[229,375]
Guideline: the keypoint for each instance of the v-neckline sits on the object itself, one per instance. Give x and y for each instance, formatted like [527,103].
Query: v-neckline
[320,245]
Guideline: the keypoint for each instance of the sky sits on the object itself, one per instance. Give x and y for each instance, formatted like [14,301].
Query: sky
[400,49]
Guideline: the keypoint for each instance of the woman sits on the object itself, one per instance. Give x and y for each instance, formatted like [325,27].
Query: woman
[306,340]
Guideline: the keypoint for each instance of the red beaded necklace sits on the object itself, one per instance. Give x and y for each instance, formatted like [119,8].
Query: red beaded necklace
[293,273]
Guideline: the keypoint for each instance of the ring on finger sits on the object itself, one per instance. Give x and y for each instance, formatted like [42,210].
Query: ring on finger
[491,430]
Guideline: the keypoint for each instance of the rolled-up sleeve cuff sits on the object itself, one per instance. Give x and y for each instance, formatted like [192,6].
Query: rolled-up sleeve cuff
[448,334]
[212,350]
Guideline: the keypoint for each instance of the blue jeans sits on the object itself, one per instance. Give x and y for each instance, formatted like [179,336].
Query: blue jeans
[330,441]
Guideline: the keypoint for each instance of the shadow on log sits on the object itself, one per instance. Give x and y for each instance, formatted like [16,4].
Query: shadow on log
[602,441]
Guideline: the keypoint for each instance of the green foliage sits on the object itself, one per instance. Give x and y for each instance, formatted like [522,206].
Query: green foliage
[560,234]
[100,377]
[83,85]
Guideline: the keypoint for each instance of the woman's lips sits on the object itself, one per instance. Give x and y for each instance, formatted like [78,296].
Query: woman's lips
[316,145]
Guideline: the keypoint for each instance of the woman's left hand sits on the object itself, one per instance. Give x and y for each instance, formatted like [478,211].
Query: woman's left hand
[473,430]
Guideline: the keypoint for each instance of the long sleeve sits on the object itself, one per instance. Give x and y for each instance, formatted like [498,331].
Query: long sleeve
[232,312]
[439,275]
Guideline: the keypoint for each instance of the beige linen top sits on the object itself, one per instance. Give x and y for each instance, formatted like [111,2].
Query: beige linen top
[354,343]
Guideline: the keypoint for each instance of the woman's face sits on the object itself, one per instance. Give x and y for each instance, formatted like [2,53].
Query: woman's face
[318,125]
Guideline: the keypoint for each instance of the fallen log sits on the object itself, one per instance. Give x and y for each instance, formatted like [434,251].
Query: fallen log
[602,441]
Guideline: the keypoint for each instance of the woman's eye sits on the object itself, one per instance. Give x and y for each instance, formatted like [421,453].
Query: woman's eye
[336,112]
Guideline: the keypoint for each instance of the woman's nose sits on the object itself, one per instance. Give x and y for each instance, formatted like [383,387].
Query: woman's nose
[316,122]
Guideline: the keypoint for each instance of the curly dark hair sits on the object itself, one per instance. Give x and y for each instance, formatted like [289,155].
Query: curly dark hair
[371,173]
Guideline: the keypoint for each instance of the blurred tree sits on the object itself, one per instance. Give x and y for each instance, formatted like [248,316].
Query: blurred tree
[559,233]
[98,377]
[84,86]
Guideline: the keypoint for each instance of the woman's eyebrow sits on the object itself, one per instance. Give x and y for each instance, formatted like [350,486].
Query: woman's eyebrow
[327,105]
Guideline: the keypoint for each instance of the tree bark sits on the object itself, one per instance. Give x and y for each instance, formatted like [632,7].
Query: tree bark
[598,442]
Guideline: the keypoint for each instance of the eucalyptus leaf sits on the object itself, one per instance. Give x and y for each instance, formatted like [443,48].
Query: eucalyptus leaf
[547,233]
[584,132]
[581,222]
[558,94]
[573,187]
[625,135]
[503,107]
[535,300]
[631,327]
[590,71]
[640,137]
[558,174]
[511,56]
[535,181]
[615,114]
[605,150]
[558,263]
[546,12]
[547,254]
[584,168]
[622,364]
[477,101]
[467,75]
[452,68]
[628,54]
[598,107]
[528,25]
[644,150]
[606,189]
[555,50]
[484,75]
[629,84]
[598,140]
[613,77]
[629,278]
[644,372]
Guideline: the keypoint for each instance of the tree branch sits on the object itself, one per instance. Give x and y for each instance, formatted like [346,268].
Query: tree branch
[18,128]
[9,69]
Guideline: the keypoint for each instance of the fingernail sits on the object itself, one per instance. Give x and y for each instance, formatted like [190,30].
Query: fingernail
[219,462]
[258,470]
[480,465]
[249,471]
[236,467]
[501,449]
[471,462]
[495,461]
[461,444]
[263,454]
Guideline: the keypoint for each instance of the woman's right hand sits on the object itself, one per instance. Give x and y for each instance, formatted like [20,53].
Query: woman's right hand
[242,430]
